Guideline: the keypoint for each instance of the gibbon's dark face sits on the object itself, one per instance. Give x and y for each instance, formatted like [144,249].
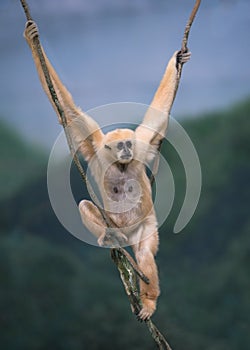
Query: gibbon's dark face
[119,145]
[124,151]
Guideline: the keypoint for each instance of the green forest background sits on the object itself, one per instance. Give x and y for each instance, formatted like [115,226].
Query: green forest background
[57,292]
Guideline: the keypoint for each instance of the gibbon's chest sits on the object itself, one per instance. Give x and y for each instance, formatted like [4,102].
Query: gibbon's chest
[127,194]
[123,185]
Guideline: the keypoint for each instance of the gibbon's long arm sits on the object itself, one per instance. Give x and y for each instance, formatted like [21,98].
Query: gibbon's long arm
[154,125]
[85,131]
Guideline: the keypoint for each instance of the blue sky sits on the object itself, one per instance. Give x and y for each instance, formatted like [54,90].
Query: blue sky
[116,50]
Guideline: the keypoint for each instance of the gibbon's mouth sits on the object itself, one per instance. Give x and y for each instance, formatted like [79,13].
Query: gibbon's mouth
[126,156]
[125,159]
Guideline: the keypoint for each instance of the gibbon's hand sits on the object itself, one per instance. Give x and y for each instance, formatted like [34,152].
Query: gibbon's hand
[112,238]
[31,30]
[183,57]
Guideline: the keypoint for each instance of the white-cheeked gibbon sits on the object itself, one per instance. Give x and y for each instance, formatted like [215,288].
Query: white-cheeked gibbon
[118,162]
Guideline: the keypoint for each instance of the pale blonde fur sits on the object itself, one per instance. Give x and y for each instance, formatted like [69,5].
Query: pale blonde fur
[120,173]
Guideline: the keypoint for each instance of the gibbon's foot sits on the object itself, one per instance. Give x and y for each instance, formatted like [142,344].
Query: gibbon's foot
[183,57]
[31,30]
[112,238]
[148,308]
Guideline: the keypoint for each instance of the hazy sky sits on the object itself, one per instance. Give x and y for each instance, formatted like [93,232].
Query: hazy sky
[116,50]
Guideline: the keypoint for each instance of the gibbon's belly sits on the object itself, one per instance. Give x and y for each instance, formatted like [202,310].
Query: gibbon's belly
[121,191]
[126,195]
[122,201]
[125,203]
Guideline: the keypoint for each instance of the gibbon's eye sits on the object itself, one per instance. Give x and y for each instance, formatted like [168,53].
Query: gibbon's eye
[120,145]
[129,144]
[106,146]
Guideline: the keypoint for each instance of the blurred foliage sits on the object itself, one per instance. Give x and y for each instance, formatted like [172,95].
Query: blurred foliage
[20,162]
[56,291]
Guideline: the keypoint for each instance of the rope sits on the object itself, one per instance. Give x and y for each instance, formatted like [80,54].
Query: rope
[184,43]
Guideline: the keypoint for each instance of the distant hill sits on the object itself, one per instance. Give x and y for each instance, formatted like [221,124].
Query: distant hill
[204,271]
[20,162]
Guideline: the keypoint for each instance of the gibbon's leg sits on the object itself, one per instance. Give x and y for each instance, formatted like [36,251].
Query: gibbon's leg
[145,252]
[85,130]
[93,220]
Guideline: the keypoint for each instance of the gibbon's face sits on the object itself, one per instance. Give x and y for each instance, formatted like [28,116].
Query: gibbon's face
[119,145]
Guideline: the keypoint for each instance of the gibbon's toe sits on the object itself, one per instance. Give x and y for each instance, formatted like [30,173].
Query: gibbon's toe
[112,238]
[147,310]
[102,241]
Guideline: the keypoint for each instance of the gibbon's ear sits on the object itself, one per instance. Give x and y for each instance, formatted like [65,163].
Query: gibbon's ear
[154,125]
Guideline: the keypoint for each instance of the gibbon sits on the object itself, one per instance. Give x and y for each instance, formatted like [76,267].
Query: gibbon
[118,162]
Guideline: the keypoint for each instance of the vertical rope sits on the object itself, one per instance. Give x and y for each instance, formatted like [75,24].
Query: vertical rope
[184,43]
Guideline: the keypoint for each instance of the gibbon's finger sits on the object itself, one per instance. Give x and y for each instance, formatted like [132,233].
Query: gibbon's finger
[183,57]
[105,241]
[29,23]
[115,237]
[144,316]
[186,56]
[139,319]
[100,241]
[31,30]
[110,241]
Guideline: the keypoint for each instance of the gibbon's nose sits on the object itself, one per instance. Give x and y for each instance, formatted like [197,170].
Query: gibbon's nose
[126,154]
